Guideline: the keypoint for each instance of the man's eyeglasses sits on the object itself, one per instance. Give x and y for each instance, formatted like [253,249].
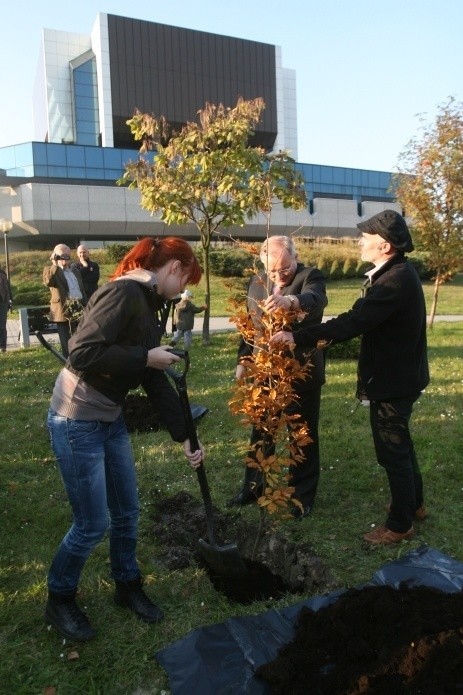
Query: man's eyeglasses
[282,272]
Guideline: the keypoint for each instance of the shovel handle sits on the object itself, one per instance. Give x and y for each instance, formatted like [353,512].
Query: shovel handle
[180,384]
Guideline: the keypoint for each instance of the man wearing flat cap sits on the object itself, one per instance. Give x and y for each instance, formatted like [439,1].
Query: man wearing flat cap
[393,365]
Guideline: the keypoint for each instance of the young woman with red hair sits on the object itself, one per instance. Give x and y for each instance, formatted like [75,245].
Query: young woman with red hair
[116,348]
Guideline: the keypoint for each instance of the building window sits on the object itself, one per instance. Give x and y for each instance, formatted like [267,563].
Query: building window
[85,93]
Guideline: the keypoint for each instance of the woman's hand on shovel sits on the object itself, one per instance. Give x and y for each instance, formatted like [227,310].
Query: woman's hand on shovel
[161,357]
[194,457]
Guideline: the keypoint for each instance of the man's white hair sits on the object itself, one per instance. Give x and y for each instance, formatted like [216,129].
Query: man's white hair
[277,243]
[59,250]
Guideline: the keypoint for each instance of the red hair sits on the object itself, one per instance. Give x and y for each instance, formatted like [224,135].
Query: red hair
[152,253]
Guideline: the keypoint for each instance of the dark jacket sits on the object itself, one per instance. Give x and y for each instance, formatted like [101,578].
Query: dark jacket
[309,287]
[110,347]
[391,318]
[90,275]
[54,278]
[185,315]
[5,288]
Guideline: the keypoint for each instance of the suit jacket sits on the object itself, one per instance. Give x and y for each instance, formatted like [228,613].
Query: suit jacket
[90,275]
[53,277]
[309,286]
[391,318]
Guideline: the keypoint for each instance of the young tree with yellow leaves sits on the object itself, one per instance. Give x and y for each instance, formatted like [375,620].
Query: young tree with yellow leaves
[209,176]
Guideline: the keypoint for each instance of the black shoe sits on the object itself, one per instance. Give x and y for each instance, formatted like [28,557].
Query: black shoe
[131,595]
[65,615]
[299,513]
[245,497]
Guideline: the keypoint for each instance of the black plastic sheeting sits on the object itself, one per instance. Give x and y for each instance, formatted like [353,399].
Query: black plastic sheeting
[221,659]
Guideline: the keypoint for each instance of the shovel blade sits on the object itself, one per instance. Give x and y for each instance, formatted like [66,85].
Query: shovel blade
[224,560]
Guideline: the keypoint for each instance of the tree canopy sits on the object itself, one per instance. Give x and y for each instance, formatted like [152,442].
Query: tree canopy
[429,186]
[208,175]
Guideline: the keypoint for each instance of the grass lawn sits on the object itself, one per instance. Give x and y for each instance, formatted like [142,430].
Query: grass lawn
[352,496]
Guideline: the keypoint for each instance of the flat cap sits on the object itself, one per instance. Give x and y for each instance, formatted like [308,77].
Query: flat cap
[390,226]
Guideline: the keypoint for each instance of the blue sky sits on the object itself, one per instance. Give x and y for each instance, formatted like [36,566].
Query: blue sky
[364,69]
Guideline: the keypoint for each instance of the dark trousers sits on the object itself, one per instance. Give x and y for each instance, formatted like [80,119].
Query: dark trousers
[395,452]
[64,333]
[304,475]
[3,319]
[65,330]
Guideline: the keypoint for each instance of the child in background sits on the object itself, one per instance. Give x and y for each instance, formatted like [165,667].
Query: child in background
[184,319]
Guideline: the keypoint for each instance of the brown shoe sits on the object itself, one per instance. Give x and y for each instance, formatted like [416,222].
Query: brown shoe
[384,536]
[420,514]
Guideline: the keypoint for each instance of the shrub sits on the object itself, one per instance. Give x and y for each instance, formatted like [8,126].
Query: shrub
[33,296]
[228,263]
[348,269]
[419,263]
[116,252]
[323,266]
[350,349]
[335,270]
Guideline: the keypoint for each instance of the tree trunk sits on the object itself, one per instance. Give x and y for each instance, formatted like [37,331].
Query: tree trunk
[207,297]
[435,295]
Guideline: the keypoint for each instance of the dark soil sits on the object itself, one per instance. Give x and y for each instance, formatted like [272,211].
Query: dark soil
[139,414]
[376,640]
[279,567]
[372,641]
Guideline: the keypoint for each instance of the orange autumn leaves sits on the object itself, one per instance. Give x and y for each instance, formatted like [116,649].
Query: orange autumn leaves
[262,398]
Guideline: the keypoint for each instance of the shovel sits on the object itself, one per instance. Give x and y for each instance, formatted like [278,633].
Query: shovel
[222,559]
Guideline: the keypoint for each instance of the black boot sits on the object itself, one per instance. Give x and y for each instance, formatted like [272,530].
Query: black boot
[245,496]
[63,613]
[131,595]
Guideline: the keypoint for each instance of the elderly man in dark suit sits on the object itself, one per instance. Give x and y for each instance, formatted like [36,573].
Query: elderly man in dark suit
[393,363]
[292,285]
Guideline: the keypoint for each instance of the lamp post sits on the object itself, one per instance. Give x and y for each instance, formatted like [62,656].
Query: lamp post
[6,226]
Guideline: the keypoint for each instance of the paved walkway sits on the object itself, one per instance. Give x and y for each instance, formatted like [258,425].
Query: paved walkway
[217,324]
[14,342]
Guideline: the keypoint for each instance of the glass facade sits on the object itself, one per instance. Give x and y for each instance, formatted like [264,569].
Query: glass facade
[77,163]
[343,182]
[81,163]
[85,92]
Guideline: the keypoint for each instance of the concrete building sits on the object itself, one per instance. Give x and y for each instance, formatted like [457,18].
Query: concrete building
[61,186]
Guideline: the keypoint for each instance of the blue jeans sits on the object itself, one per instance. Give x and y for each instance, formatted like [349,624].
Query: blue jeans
[187,336]
[98,470]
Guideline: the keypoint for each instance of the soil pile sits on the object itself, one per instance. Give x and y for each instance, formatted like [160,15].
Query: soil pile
[377,641]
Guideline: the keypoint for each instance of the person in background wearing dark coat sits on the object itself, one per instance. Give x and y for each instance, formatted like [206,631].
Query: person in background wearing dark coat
[68,296]
[393,363]
[115,348]
[89,270]
[6,302]
[184,316]
[301,288]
